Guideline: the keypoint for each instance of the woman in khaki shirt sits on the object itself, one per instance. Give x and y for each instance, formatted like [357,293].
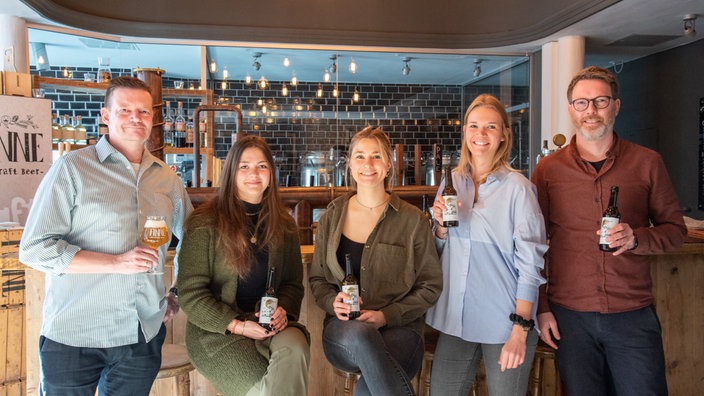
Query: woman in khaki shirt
[393,255]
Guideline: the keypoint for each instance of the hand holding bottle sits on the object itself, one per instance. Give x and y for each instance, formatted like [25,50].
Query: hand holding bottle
[342,307]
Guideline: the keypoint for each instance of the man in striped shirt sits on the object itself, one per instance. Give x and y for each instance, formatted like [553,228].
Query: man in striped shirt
[104,311]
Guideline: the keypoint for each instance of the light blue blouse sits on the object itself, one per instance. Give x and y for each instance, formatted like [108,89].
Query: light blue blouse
[493,258]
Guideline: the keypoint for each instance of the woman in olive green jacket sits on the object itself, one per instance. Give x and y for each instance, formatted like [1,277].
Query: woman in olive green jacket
[394,257]
[230,244]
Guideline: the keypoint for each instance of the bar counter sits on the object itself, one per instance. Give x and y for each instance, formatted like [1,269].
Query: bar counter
[678,277]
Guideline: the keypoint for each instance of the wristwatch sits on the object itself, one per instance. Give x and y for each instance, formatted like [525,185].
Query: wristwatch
[527,325]
[174,291]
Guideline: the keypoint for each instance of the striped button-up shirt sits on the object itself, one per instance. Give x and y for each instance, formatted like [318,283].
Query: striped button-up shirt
[92,199]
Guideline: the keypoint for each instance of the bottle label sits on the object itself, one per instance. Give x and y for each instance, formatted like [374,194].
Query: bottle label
[267,308]
[353,301]
[606,224]
[450,213]
[180,126]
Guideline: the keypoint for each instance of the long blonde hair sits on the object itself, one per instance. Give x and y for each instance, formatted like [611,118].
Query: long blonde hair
[229,215]
[501,158]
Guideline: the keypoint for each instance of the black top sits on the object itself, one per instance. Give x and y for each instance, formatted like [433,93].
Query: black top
[251,288]
[354,249]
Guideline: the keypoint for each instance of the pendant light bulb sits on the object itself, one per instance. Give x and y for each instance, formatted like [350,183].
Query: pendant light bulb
[355,96]
[225,74]
[353,66]
[263,83]
[319,92]
[335,92]
[247,79]
[294,79]
[326,76]
[287,62]
[223,85]
[284,90]
[213,67]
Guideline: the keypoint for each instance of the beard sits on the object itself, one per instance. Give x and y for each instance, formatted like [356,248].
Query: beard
[594,131]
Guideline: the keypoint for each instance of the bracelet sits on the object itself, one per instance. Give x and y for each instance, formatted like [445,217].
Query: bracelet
[516,319]
[228,332]
[635,242]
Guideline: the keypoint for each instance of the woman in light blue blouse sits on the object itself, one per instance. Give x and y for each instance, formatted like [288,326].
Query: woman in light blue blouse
[491,263]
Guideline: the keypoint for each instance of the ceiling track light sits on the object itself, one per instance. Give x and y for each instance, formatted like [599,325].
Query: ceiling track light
[256,64]
[689,28]
[333,65]
[406,67]
[477,68]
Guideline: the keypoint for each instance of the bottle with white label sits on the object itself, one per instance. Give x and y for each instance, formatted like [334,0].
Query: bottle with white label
[350,286]
[610,218]
[450,216]
[269,302]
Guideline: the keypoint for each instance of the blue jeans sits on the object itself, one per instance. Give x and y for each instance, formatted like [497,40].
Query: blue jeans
[126,370]
[611,354]
[387,358]
[455,364]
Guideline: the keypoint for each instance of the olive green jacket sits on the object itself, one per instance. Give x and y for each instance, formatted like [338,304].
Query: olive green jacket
[208,286]
[400,269]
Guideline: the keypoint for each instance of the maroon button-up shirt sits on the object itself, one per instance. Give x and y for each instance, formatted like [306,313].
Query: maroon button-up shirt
[573,196]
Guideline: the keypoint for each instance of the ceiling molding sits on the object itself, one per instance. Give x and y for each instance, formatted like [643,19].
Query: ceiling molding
[390,23]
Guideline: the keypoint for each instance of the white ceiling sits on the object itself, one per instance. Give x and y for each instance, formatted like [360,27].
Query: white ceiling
[182,59]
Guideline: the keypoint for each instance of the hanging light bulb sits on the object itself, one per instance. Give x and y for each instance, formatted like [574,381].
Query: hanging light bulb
[213,67]
[294,79]
[247,79]
[287,62]
[319,92]
[353,66]
[263,83]
[284,90]
[264,109]
[335,92]
[223,85]
[67,74]
[355,96]
[225,74]
[326,76]
[260,102]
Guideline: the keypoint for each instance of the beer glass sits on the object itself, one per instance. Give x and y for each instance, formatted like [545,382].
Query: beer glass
[155,234]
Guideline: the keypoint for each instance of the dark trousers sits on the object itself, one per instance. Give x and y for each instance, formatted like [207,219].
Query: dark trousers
[611,354]
[126,370]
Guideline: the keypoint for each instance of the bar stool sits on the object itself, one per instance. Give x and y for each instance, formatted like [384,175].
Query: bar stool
[349,379]
[542,352]
[175,363]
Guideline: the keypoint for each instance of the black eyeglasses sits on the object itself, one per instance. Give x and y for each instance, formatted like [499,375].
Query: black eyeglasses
[600,102]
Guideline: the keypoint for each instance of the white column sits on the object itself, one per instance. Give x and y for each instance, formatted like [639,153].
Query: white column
[549,92]
[561,60]
[14,42]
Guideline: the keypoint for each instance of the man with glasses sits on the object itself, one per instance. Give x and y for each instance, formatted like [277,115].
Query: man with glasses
[598,306]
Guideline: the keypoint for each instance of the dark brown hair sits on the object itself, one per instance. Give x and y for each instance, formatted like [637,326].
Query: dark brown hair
[229,215]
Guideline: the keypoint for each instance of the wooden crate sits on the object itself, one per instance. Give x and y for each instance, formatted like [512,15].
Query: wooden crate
[13,368]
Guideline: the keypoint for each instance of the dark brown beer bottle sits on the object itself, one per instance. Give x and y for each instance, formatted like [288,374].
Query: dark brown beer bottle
[269,302]
[350,286]
[450,216]
[610,218]
[426,210]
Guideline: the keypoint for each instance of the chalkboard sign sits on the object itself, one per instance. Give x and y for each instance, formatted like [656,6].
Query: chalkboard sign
[701,153]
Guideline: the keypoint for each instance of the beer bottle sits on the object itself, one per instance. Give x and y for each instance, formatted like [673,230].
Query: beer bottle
[450,217]
[610,218]
[351,286]
[269,302]
[427,212]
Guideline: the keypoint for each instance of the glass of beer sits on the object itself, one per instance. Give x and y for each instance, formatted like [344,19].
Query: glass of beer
[155,234]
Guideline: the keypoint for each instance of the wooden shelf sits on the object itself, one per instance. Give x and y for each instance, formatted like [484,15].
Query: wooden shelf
[72,85]
[187,150]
